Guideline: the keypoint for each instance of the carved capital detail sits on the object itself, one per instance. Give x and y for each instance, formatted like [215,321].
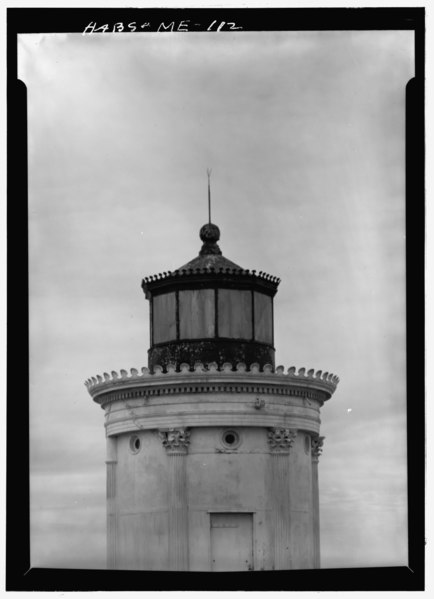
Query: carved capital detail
[316,446]
[281,439]
[175,440]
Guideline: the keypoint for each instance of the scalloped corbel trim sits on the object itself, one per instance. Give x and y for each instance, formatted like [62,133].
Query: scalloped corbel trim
[212,368]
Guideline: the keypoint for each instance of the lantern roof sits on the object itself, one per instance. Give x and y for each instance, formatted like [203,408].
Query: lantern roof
[210,266]
[210,255]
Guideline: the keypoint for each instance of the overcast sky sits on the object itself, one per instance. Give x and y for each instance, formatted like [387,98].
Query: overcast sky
[304,132]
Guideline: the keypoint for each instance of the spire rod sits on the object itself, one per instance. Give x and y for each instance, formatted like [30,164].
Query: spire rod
[208,172]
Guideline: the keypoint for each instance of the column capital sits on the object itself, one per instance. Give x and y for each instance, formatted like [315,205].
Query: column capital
[175,440]
[317,443]
[280,440]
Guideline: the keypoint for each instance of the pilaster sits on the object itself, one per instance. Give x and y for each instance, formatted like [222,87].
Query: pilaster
[176,442]
[111,463]
[316,450]
[280,441]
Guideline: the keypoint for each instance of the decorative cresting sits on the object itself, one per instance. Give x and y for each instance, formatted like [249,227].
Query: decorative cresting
[210,379]
[179,274]
[317,443]
[281,439]
[176,442]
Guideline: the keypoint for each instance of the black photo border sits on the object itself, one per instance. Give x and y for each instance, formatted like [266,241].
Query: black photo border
[20,576]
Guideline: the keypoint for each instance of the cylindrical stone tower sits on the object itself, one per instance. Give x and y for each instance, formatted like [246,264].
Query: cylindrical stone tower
[212,451]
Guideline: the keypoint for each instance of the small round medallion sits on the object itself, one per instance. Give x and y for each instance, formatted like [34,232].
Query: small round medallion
[135,444]
[231,439]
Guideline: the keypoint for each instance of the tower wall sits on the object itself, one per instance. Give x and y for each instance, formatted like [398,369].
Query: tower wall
[141,503]
[247,480]
[195,457]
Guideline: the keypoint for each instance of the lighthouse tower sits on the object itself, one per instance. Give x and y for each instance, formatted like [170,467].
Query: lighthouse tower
[212,450]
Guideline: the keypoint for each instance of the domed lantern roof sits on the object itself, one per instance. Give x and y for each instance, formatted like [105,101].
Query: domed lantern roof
[210,255]
[210,310]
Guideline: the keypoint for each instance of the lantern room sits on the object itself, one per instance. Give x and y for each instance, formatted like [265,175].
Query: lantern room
[211,310]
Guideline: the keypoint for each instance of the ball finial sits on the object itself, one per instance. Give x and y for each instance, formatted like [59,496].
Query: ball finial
[209,233]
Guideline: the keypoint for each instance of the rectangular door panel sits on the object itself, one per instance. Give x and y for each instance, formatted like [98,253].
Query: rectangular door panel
[231,542]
